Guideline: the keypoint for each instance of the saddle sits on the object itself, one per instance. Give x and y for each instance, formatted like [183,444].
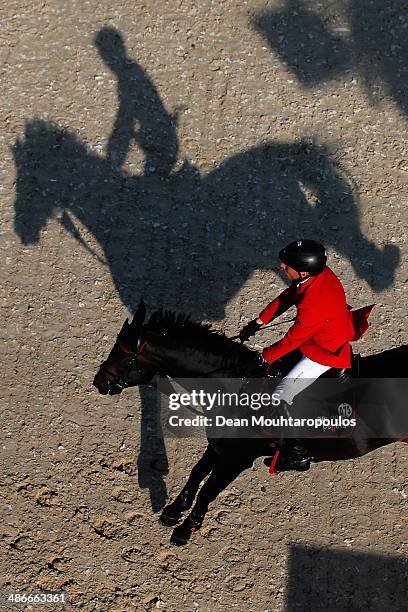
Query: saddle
[281,367]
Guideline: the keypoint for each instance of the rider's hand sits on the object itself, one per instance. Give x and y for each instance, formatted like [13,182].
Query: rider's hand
[249,330]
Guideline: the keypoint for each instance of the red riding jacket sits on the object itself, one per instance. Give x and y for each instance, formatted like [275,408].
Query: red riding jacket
[323,326]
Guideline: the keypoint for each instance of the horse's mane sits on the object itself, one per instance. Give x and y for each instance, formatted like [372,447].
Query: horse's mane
[179,331]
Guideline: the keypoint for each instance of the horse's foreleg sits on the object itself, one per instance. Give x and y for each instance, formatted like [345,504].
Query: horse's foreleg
[221,476]
[184,500]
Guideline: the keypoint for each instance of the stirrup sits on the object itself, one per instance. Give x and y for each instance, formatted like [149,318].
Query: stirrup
[301,465]
[285,463]
[298,456]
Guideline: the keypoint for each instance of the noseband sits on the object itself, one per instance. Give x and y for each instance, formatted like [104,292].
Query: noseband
[118,383]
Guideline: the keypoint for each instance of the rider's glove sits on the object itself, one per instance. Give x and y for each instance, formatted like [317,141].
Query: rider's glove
[249,330]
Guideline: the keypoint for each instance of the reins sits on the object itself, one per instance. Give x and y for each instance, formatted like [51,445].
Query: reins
[267,327]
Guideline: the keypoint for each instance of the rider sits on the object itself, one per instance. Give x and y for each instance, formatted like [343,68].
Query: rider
[322,329]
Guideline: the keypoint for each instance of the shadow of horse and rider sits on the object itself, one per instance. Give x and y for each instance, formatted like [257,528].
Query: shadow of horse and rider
[181,238]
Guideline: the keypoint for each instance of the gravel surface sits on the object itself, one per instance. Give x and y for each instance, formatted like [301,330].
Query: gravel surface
[168,150]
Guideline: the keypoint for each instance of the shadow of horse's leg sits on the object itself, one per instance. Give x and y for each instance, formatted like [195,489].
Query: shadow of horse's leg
[152,461]
[223,473]
[184,500]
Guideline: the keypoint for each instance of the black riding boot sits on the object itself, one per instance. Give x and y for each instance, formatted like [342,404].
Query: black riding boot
[293,456]
[296,454]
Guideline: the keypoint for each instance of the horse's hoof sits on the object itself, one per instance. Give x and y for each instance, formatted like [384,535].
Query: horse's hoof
[169,520]
[183,532]
[180,537]
[173,513]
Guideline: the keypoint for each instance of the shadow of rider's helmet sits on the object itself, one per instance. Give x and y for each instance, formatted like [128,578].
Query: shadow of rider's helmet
[304,256]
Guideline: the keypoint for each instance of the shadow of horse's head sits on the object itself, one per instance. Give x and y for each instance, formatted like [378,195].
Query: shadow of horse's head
[49,160]
[33,152]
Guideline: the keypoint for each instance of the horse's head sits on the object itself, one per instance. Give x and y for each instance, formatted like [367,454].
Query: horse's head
[127,365]
[172,345]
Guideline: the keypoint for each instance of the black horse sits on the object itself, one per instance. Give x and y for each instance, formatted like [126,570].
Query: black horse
[175,346]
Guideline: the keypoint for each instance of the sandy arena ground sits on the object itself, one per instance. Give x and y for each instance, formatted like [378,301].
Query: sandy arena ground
[168,150]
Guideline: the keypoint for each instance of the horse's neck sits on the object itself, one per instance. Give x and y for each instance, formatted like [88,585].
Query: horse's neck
[183,361]
[187,361]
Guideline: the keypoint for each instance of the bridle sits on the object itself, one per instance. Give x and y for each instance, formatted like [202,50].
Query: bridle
[119,382]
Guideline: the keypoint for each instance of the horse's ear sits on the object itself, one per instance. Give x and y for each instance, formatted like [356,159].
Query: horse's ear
[140,315]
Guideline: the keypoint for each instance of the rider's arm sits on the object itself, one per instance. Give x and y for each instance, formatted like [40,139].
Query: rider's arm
[294,337]
[279,305]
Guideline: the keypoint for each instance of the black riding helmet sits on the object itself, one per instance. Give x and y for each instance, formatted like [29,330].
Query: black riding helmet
[304,256]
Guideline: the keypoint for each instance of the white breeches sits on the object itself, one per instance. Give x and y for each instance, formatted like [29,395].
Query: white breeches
[303,374]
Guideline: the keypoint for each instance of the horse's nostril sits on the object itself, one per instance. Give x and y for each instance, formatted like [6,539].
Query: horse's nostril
[101,384]
[103,389]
